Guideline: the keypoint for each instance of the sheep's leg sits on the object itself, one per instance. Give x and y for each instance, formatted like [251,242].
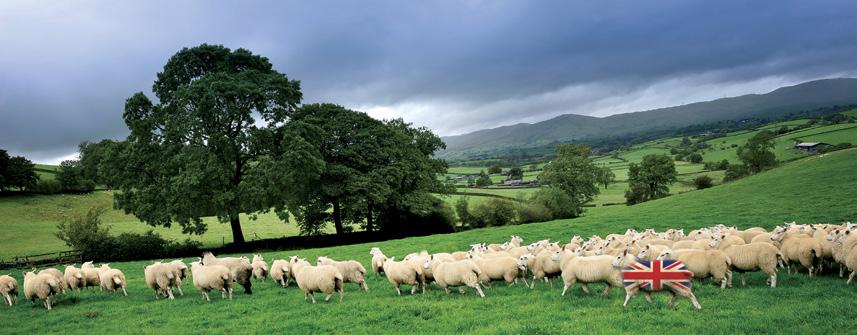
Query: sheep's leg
[446,289]
[850,277]
[549,281]
[365,287]
[414,288]
[48,302]
[774,280]
[743,282]
[170,293]
[723,282]
[460,290]
[524,278]
[729,279]
[585,287]
[157,295]
[671,302]
[533,282]
[177,287]
[124,291]
[606,290]
[648,296]
[564,289]
[479,290]
[628,296]
[283,283]
[694,301]
[205,295]
[230,293]
[327,297]
[288,280]
[312,296]
[398,291]
[841,271]
[341,294]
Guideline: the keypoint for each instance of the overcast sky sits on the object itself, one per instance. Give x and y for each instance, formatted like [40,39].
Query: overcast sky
[66,67]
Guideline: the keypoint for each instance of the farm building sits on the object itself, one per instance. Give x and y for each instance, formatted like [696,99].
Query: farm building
[811,147]
[519,183]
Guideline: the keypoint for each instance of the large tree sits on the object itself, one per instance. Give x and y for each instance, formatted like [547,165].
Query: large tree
[213,142]
[756,154]
[650,179]
[368,164]
[572,172]
[19,173]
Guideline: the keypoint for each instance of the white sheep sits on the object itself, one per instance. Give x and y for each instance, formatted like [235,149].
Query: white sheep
[352,271]
[650,252]
[112,279]
[280,272]
[458,273]
[90,275]
[378,259]
[404,272]
[60,277]
[181,272]
[162,278]
[240,268]
[703,263]
[212,277]
[798,248]
[260,267]
[755,257]
[588,269]
[632,290]
[500,268]
[544,268]
[324,278]
[41,286]
[74,278]
[9,289]
[722,241]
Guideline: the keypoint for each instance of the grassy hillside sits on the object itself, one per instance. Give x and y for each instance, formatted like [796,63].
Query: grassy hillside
[29,222]
[816,189]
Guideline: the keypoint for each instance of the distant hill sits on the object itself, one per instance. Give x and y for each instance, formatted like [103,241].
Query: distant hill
[573,127]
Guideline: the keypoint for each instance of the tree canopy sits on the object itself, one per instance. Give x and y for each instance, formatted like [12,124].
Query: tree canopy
[574,173]
[650,179]
[212,142]
[16,172]
[756,154]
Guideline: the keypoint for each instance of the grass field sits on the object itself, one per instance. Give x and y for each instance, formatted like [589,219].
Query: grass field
[816,189]
[29,222]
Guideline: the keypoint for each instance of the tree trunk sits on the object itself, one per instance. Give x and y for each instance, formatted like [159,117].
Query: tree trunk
[337,218]
[237,234]
[369,223]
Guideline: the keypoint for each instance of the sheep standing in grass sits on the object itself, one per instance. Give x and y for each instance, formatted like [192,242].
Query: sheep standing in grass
[352,271]
[90,275]
[40,286]
[162,278]
[74,278]
[404,272]
[798,248]
[703,263]
[9,289]
[260,267]
[240,267]
[378,259]
[588,269]
[111,279]
[722,241]
[324,278]
[60,277]
[212,277]
[181,272]
[458,273]
[500,268]
[544,268]
[754,257]
[651,251]
[280,272]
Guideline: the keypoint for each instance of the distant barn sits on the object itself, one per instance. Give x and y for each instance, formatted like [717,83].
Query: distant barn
[811,147]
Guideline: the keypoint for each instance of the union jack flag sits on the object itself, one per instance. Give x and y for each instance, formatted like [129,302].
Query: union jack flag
[652,276]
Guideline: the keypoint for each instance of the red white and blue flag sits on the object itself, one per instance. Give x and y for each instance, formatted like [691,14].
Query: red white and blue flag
[657,275]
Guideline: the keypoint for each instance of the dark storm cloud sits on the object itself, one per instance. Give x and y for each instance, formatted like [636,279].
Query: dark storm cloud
[455,66]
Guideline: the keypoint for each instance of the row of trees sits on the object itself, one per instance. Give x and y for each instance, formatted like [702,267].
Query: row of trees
[228,135]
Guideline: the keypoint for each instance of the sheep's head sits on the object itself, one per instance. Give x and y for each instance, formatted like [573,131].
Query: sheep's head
[293,259]
[579,252]
[504,246]
[832,235]
[715,240]
[576,239]
[778,234]
[522,264]
[600,251]
[666,254]
[427,264]
[468,255]
[644,252]
[619,261]
[374,250]
[516,238]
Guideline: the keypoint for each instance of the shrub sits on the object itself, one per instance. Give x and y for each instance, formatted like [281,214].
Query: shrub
[149,245]
[533,212]
[493,212]
[559,203]
[840,146]
[695,158]
[495,169]
[85,233]
[48,186]
[703,182]
[735,172]
[462,208]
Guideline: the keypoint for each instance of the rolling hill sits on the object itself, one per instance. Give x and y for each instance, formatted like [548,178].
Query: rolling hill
[813,189]
[570,127]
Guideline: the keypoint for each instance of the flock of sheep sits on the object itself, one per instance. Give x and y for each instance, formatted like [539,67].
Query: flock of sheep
[713,252]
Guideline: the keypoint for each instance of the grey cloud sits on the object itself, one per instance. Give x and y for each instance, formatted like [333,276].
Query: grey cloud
[455,66]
